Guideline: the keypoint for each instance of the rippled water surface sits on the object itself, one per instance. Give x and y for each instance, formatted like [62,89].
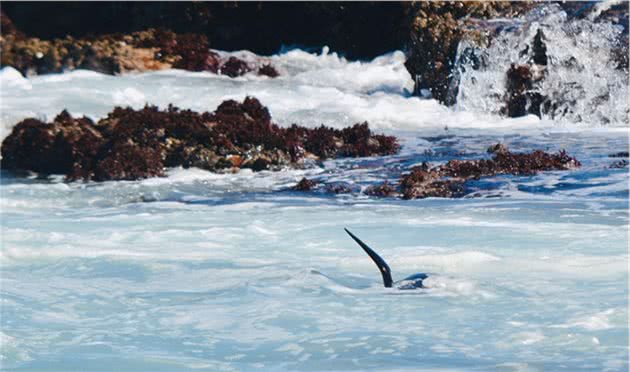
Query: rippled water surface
[235,272]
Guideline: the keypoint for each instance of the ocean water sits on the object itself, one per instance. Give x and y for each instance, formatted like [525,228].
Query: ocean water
[235,272]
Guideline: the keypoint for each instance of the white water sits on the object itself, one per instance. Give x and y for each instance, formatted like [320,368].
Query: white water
[232,272]
[581,74]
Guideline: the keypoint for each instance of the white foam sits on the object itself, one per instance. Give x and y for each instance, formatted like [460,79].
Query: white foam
[314,89]
[129,97]
[11,78]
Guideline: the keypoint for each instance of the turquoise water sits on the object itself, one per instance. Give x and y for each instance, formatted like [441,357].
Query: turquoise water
[234,272]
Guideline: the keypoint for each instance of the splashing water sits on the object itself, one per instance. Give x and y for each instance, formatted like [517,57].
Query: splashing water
[581,84]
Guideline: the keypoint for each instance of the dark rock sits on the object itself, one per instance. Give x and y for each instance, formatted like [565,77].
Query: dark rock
[268,70]
[448,180]
[152,49]
[498,148]
[131,144]
[128,161]
[619,164]
[66,146]
[338,188]
[357,29]
[437,27]
[305,185]
[521,96]
[621,154]
[234,67]
[539,49]
[382,190]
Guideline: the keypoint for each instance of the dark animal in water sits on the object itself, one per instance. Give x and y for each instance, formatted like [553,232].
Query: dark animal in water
[411,282]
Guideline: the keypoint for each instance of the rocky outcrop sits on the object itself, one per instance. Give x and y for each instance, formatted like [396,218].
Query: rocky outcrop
[449,180]
[305,185]
[65,146]
[449,37]
[356,29]
[437,28]
[131,144]
[152,49]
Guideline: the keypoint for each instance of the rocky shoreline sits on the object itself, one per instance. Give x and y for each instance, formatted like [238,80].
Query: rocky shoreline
[133,144]
[440,39]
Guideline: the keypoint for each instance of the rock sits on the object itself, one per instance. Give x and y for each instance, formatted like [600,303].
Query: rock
[448,180]
[623,163]
[305,185]
[448,38]
[424,183]
[128,161]
[521,97]
[339,188]
[234,67]
[621,154]
[66,146]
[357,29]
[382,190]
[152,49]
[131,144]
[437,28]
[498,148]
[268,70]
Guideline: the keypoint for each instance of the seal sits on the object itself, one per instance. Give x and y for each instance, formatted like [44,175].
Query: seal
[411,282]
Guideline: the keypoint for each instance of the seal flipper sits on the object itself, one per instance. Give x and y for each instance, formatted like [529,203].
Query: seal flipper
[380,263]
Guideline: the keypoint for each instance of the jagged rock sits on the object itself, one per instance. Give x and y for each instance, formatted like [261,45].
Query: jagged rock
[268,70]
[437,27]
[497,148]
[234,67]
[382,190]
[130,144]
[448,180]
[621,154]
[152,49]
[66,146]
[338,188]
[521,97]
[305,185]
[449,37]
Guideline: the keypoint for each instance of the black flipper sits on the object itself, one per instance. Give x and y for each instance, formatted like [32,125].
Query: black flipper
[380,263]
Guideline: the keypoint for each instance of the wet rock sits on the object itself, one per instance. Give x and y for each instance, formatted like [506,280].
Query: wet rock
[621,154]
[619,164]
[447,38]
[422,182]
[132,144]
[521,96]
[234,67]
[128,161]
[268,70]
[382,190]
[437,28]
[66,146]
[305,185]
[339,188]
[497,148]
[449,180]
